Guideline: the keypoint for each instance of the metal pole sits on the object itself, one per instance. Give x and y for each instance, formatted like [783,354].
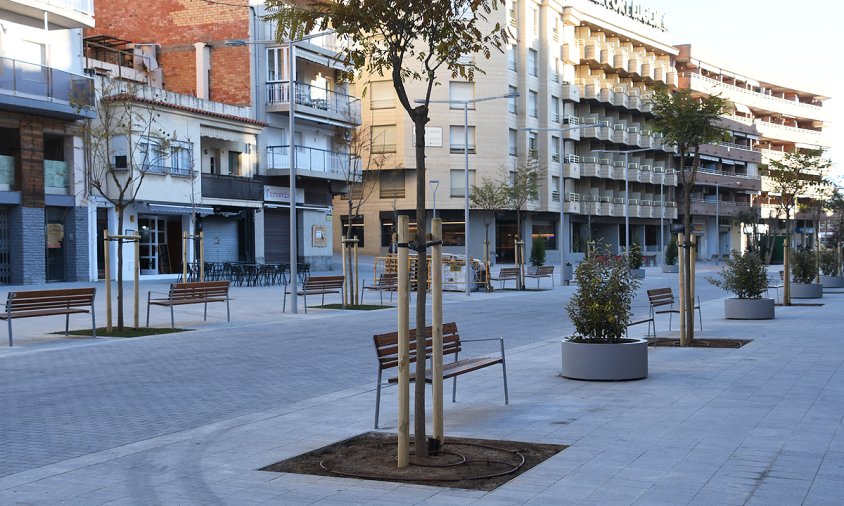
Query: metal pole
[626,205]
[717,225]
[662,216]
[466,194]
[294,254]
[562,242]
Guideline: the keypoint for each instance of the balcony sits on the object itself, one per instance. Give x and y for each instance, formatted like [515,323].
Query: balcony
[45,91]
[589,167]
[60,13]
[617,171]
[311,162]
[791,134]
[570,92]
[56,178]
[314,103]
[232,187]
[711,177]
[732,151]
[571,167]
[708,207]
[572,203]
[754,99]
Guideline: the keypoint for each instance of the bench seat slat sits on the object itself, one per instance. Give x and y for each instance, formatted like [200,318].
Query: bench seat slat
[42,312]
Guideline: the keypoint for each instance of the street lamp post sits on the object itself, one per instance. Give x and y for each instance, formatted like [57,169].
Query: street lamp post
[626,190]
[563,233]
[465,104]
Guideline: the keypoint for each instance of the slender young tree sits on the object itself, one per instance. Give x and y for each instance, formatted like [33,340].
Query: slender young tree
[798,174]
[125,143]
[407,41]
[490,196]
[688,122]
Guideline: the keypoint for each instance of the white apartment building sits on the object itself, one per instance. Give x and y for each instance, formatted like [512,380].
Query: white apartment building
[574,64]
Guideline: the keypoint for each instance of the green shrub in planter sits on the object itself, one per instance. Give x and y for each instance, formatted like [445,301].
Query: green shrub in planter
[829,262]
[744,274]
[671,253]
[537,252]
[600,309]
[804,268]
[635,256]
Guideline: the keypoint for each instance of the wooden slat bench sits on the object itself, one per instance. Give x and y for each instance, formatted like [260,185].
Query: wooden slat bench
[316,285]
[387,350]
[33,304]
[388,281]
[543,271]
[198,292]
[661,297]
[507,274]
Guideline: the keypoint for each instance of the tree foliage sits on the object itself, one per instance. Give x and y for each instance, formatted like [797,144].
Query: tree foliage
[804,266]
[490,195]
[743,274]
[537,251]
[671,251]
[635,256]
[600,308]
[828,261]
[796,175]
[523,187]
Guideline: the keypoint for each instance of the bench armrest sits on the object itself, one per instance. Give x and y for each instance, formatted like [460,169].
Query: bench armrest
[476,340]
[158,293]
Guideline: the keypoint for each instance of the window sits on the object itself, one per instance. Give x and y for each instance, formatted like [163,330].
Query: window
[454,227]
[532,139]
[546,230]
[152,156]
[512,142]
[181,160]
[388,228]
[391,184]
[532,100]
[512,58]
[555,71]
[357,228]
[458,180]
[383,139]
[382,95]
[276,64]
[533,63]
[234,163]
[555,149]
[511,102]
[462,91]
[534,20]
[555,109]
[458,138]
[555,188]
[511,14]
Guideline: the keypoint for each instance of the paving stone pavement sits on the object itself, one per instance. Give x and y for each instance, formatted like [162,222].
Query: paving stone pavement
[188,418]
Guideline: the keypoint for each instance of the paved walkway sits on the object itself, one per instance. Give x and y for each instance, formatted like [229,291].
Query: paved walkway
[188,418]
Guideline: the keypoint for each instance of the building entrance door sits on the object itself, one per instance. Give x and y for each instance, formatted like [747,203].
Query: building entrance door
[55,243]
[505,237]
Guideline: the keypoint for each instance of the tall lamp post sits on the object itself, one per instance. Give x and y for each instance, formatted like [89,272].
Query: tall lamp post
[626,189]
[291,91]
[465,104]
[563,235]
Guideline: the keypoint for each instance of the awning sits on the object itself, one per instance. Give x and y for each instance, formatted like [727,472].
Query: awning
[708,158]
[226,135]
[741,108]
[174,209]
[727,162]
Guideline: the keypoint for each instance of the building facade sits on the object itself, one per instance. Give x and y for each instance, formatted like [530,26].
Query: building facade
[43,96]
[583,73]
[225,53]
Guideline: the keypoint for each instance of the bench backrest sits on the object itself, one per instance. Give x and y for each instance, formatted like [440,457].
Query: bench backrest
[508,271]
[660,296]
[388,279]
[50,299]
[199,290]
[323,282]
[387,345]
[544,270]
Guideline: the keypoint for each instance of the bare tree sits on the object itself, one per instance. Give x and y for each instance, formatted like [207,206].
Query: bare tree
[490,196]
[523,187]
[125,143]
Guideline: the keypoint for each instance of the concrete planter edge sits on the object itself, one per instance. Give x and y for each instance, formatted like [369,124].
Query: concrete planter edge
[806,291]
[605,362]
[749,309]
[671,268]
[832,281]
[638,273]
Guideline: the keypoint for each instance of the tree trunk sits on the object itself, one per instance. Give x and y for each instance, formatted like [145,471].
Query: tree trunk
[119,270]
[686,339]
[786,268]
[420,442]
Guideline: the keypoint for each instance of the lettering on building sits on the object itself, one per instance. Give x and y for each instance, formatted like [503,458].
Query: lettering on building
[635,10]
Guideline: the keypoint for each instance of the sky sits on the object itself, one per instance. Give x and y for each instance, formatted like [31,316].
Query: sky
[773,38]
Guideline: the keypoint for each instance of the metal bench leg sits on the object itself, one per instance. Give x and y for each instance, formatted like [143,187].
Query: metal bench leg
[172,318]
[699,315]
[284,302]
[377,397]
[148,299]
[670,317]
[205,314]
[93,322]
[228,311]
[66,324]
[305,296]
[504,373]
[10,331]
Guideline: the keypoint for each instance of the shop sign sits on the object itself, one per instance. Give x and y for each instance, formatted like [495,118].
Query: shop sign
[282,194]
[635,11]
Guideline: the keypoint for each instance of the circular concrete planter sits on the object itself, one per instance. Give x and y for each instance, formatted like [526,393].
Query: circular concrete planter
[832,281]
[749,309]
[671,268]
[637,273]
[806,290]
[606,362]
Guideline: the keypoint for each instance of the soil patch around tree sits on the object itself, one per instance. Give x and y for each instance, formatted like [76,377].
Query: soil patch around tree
[802,304]
[353,307]
[127,332]
[476,464]
[666,342]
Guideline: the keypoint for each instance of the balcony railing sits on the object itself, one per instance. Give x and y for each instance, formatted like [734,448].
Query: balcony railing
[751,92]
[83,6]
[313,159]
[45,83]
[345,106]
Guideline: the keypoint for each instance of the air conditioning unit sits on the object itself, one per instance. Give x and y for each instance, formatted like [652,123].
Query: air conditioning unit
[120,162]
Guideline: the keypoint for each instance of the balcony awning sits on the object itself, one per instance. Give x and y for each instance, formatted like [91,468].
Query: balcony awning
[741,108]
[226,135]
[708,158]
[177,209]
[727,162]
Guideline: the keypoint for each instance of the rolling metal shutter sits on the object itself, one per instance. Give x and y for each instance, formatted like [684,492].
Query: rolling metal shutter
[5,260]
[277,236]
[221,244]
